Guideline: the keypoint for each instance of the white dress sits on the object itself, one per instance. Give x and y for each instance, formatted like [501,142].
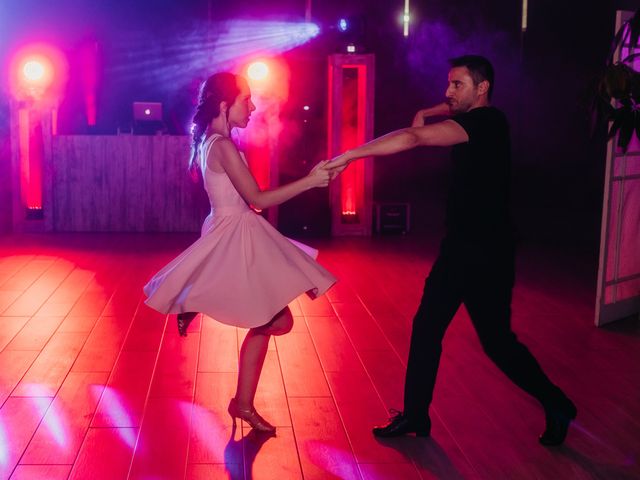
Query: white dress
[241,271]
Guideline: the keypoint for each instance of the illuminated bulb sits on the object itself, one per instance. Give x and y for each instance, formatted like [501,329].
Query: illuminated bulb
[258,71]
[33,70]
[306,107]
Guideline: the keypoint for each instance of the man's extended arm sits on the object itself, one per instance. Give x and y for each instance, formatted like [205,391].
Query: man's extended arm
[441,134]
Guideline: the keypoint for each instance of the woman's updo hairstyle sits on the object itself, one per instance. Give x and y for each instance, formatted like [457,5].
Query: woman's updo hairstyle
[217,88]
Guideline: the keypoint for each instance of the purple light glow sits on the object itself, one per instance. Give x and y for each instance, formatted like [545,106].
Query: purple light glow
[117,412]
[52,420]
[4,444]
[221,46]
[209,430]
[432,43]
[39,390]
[332,460]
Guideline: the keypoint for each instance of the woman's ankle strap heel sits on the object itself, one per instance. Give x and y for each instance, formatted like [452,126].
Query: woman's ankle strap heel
[250,416]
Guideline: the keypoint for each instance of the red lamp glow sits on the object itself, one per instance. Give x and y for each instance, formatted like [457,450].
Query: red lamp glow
[350,124]
[38,72]
[269,82]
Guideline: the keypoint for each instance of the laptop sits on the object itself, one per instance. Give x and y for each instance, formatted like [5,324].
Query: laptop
[147,111]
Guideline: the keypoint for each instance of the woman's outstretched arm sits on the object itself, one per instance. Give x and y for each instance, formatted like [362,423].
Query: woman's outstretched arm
[229,158]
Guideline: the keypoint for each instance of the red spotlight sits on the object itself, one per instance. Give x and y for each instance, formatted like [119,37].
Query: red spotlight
[258,71]
[38,72]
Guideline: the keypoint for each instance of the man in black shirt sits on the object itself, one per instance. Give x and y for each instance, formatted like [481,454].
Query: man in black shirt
[476,261]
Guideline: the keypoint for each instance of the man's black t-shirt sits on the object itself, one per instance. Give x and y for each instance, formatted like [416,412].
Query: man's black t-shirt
[478,204]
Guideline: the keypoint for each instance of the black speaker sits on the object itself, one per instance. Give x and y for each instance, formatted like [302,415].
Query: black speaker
[391,217]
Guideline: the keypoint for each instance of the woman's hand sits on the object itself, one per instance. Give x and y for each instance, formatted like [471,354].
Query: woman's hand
[319,176]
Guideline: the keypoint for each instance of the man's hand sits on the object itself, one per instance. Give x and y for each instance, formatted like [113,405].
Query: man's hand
[418,120]
[442,109]
[336,165]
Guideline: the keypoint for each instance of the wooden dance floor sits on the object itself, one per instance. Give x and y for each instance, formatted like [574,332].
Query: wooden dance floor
[95,385]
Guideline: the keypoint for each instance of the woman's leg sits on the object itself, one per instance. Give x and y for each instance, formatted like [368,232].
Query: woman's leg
[252,355]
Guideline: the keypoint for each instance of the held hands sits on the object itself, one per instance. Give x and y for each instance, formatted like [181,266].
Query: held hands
[336,165]
[319,175]
[327,170]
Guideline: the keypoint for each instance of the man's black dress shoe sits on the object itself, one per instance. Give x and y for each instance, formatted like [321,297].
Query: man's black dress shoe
[557,423]
[399,425]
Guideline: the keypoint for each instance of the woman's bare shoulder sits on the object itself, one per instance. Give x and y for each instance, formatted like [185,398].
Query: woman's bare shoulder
[222,152]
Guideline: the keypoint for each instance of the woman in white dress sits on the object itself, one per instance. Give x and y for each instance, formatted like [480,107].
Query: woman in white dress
[241,271]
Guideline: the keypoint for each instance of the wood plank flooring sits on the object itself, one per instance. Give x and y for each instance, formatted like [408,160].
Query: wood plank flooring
[95,385]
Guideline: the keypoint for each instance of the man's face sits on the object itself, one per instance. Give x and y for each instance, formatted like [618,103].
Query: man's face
[461,93]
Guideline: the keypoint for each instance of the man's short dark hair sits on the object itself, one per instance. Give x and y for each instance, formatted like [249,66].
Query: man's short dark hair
[479,67]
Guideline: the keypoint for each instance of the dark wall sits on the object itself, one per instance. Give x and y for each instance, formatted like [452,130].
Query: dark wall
[541,84]
[542,80]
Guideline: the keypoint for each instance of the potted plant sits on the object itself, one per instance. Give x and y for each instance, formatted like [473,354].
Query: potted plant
[620,82]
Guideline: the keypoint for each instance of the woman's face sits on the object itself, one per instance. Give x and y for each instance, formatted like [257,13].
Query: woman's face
[240,111]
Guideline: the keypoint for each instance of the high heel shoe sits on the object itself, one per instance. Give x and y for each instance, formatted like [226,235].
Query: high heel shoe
[184,319]
[250,416]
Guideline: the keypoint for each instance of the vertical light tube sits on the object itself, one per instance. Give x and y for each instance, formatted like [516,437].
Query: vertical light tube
[406,17]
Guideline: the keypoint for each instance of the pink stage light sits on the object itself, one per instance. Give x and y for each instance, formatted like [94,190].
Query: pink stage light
[33,71]
[38,72]
[269,82]
[258,71]
[88,60]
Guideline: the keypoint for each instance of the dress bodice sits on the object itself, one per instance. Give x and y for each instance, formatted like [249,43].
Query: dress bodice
[223,196]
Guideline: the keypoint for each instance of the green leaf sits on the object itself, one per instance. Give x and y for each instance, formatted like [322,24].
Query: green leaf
[615,125]
[626,129]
